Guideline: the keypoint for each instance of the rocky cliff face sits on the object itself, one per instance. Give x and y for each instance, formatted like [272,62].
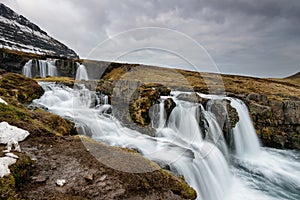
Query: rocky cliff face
[18,33]
[277,123]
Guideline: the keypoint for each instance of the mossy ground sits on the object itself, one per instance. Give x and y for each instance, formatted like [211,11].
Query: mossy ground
[20,173]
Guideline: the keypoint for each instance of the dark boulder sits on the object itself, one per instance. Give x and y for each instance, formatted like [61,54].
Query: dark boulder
[169,105]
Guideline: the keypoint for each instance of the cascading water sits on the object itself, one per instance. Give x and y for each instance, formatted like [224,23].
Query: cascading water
[207,170]
[26,71]
[81,73]
[52,69]
[180,143]
[275,167]
[245,139]
[158,115]
[45,68]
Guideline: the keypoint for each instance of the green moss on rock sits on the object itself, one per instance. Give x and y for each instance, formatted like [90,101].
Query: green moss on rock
[19,87]
[141,102]
[20,171]
[16,89]
[7,188]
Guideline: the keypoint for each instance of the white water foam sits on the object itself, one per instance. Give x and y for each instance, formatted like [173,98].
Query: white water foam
[81,73]
[181,145]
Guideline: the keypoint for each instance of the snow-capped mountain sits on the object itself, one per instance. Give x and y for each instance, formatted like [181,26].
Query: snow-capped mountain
[18,33]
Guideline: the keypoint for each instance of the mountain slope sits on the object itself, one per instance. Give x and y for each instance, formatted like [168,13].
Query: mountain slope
[297,75]
[18,33]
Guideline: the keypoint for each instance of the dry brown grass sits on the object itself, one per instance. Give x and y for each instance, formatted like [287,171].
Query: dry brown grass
[275,88]
[56,79]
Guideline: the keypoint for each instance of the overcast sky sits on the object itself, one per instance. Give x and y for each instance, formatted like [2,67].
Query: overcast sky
[250,37]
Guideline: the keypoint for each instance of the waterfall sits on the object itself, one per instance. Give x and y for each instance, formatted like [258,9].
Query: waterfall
[244,135]
[158,116]
[52,69]
[245,139]
[184,123]
[26,71]
[205,159]
[105,100]
[180,144]
[81,73]
[162,115]
[214,132]
[45,68]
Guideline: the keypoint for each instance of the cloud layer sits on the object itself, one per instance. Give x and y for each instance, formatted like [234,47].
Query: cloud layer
[259,38]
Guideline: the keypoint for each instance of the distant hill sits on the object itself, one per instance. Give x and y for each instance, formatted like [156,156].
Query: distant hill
[19,34]
[297,75]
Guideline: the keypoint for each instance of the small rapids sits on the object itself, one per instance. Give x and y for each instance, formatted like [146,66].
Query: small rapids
[208,165]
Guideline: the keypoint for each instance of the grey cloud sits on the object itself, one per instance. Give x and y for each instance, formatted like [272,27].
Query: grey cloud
[253,37]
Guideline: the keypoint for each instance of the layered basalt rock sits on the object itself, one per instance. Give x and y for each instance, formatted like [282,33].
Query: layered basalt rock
[18,33]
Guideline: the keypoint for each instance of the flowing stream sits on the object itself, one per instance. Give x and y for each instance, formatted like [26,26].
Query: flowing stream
[208,165]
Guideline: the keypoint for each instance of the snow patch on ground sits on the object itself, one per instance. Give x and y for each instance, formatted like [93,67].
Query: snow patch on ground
[2,101]
[4,163]
[10,135]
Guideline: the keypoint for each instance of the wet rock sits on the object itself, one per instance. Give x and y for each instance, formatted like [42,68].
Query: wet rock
[169,105]
[232,115]
[227,116]
[35,106]
[192,97]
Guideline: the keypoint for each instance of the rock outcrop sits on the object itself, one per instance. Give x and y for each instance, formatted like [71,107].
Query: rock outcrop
[273,103]
[276,122]
[141,101]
